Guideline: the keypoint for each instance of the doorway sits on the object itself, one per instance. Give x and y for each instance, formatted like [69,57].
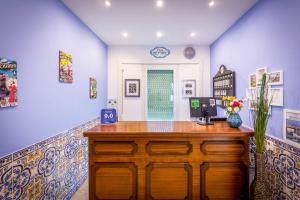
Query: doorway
[160,95]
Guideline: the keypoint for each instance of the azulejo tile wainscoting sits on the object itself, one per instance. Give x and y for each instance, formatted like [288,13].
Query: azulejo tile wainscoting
[52,169]
[282,168]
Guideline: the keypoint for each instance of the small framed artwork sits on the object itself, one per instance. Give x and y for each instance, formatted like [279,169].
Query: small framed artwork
[276,96]
[291,127]
[189,88]
[252,104]
[259,74]
[252,81]
[93,88]
[275,78]
[132,87]
[65,67]
[251,94]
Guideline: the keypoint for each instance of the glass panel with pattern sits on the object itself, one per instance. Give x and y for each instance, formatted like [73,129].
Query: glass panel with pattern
[160,95]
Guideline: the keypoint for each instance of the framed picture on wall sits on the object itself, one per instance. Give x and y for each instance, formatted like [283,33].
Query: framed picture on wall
[8,83]
[93,88]
[252,104]
[291,127]
[276,78]
[65,67]
[132,87]
[252,81]
[251,94]
[275,96]
[188,88]
[259,74]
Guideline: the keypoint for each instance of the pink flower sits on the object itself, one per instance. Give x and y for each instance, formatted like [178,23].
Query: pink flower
[236,103]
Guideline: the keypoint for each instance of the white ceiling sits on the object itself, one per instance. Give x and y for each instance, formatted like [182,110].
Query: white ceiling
[176,20]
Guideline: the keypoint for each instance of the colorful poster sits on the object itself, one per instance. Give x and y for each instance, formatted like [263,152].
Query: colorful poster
[93,88]
[65,67]
[8,83]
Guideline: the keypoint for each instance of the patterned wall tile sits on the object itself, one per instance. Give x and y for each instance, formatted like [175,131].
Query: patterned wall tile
[6,182]
[282,165]
[51,169]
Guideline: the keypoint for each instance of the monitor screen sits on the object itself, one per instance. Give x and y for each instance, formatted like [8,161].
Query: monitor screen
[201,106]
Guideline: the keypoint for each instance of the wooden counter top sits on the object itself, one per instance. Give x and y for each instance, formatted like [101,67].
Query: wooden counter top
[165,127]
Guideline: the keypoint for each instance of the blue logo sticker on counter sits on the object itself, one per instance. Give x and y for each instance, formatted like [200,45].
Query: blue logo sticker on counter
[108,116]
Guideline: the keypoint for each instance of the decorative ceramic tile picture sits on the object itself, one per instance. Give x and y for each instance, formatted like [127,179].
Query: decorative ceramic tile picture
[65,67]
[189,88]
[8,83]
[132,87]
[275,78]
[252,81]
[275,96]
[291,127]
[259,74]
[93,88]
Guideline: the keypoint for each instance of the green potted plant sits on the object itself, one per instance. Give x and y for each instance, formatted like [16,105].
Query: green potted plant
[260,116]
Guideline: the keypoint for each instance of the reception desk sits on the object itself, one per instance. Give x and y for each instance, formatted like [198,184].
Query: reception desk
[168,160]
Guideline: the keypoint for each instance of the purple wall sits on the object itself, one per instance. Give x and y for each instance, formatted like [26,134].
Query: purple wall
[268,35]
[32,33]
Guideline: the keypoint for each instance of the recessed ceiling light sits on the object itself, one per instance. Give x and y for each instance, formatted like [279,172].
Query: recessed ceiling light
[193,34]
[211,3]
[159,3]
[107,3]
[159,34]
[125,34]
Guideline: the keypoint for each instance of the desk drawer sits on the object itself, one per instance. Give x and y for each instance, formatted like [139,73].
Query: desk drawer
[169,148]
[223,147]
[115,148]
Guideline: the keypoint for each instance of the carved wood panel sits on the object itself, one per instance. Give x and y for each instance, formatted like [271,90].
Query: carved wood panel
[115,148]
[169,148]
[223,180]
[223,147]
[168,181]
[114,181]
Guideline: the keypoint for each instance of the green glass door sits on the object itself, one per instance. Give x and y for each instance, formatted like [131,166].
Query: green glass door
[160,95]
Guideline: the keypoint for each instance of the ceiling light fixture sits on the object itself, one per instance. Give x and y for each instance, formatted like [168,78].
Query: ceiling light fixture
[211,3]
[159,34]
[159,3]
[193,34]
[107,3]
[125,34]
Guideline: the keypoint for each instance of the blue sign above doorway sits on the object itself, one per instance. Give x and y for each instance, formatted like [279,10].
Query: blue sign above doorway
[160,52]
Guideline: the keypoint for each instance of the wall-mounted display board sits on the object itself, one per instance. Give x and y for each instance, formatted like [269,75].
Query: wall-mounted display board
[223,84]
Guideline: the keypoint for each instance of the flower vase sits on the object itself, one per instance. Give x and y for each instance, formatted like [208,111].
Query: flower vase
[258,189]
[234,120]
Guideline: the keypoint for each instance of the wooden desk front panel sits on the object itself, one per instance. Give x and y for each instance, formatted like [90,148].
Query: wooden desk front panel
[169,168]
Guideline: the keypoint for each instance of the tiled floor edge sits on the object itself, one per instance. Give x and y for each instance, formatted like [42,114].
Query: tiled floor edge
[76,187]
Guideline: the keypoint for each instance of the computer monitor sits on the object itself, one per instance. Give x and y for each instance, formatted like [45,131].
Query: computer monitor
[203,107]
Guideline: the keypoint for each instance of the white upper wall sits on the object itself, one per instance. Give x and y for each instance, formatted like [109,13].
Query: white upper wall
[120,57]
